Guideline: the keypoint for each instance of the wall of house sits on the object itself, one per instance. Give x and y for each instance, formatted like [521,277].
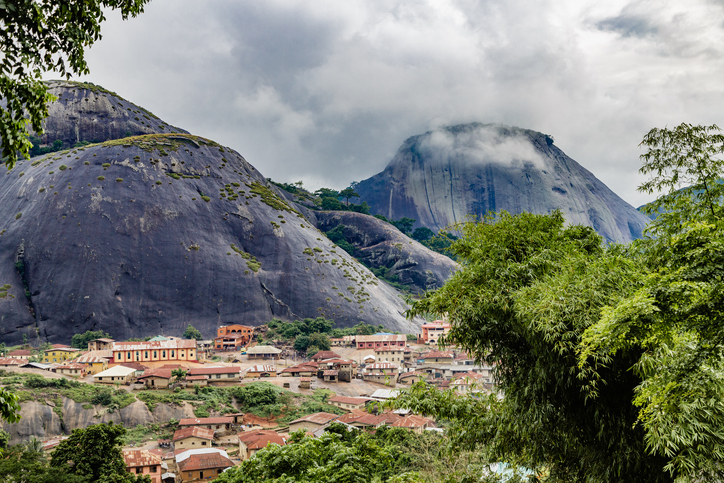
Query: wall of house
[146,471]
[157,382]
[304,424]
[114,379]
[192,442]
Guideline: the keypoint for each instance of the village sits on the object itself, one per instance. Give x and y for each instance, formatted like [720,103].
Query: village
[360,372]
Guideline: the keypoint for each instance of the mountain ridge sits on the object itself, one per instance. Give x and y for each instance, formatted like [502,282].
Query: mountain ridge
[441,176]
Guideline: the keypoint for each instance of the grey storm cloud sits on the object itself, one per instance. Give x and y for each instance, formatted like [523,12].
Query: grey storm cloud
[325,92]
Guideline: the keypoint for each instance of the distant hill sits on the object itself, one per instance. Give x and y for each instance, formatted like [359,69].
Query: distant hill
[441,176]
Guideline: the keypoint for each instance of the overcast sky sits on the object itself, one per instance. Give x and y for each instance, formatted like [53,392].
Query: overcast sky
[326,91]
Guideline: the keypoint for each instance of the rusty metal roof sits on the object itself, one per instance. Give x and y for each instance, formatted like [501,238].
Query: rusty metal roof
[140,457]
[204,462]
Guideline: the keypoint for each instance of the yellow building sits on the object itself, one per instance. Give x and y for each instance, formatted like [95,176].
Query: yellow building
[93,364]
[60,355]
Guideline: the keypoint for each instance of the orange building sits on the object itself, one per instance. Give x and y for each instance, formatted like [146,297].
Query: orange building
[432,331]
[232,337]
[159,350]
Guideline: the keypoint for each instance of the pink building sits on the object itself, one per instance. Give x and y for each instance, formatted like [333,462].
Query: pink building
[380,341]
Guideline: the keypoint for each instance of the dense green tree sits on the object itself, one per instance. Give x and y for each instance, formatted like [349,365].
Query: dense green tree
[404,224]
[95,453]
[529,289]
[192,332]
[27,464]
[318,460]
[348,193]
[331,204]
[675,318]
[179,373]
[301,343]
[252,395]
[321,341]
[422,234]
[37,37]
[80,341]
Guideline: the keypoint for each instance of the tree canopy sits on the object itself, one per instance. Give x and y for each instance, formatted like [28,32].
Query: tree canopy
[80,341]
[192,332]
[609,357]
[95,453]
[44,36]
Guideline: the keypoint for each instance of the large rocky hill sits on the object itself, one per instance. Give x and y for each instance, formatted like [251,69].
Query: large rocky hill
[441,176]
[151,233]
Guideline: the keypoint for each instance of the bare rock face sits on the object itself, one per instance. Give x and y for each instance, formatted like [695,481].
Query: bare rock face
[440,177]
[148,234]
[380,244]
[43,422]
[87,112]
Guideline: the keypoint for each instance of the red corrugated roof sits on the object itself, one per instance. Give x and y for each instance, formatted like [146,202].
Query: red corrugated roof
[161,373]
[204,462]
[349,400]
[260,438]
[325,355]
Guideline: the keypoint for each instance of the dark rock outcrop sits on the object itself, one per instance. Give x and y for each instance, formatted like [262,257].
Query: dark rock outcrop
[87,112]
[381,245]
[148,234]
[440,177]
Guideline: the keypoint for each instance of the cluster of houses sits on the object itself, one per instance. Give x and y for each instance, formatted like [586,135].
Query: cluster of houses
[200,449]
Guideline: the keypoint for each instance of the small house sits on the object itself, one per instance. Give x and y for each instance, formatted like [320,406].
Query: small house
[156,378]
[192,437]
[305,383]
[217,374]
[263,352]
[141,462]
[261,370]
[348,403]
[312,422]
[21,354]
[115,375]
[201,465]
[222,423]
[252,441]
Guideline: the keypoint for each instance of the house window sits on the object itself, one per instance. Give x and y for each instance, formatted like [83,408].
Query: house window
[203,443]
[172,355]
[163,354]
[218,376]
[155,354]
[146,356]
[153,469]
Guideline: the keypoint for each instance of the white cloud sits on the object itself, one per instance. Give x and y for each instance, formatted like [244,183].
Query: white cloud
[326,91]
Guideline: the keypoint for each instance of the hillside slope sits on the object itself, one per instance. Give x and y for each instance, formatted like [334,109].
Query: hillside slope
[440,177]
